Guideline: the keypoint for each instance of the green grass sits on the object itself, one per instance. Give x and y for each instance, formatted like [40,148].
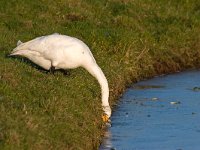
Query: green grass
[131,40]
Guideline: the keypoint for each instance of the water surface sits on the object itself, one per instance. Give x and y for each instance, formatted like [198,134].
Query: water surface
[162,113]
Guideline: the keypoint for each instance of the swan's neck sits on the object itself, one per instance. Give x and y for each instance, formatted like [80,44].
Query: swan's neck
[96,71]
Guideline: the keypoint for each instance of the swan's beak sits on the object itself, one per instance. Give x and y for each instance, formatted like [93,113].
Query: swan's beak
[105,118]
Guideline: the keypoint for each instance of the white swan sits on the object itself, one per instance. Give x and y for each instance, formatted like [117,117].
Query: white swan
[64,52]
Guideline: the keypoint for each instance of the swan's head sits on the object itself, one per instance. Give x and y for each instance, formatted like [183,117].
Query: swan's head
[107,113]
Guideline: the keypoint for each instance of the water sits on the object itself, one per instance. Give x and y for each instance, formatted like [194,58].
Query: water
[162,113]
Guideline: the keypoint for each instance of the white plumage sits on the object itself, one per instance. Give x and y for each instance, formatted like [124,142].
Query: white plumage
[64,52]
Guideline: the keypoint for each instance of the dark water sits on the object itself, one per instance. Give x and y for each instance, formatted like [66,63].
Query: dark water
[162,113]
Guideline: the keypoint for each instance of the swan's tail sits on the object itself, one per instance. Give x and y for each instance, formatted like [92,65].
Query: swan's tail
[29,45]
[19,43]
[20,47]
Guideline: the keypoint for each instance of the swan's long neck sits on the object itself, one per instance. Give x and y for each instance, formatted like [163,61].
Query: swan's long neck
[96,71]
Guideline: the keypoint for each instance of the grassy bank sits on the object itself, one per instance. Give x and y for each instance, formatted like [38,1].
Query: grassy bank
[130,40]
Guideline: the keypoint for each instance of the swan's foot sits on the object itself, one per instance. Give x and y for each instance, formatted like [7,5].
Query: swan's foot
[52,70]
[105,118]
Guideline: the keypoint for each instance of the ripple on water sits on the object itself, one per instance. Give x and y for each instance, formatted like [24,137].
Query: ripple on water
[161,113]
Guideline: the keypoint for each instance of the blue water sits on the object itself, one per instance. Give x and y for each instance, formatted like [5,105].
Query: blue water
[162,113]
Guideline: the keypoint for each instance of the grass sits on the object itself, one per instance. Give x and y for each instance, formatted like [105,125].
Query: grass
[131,40]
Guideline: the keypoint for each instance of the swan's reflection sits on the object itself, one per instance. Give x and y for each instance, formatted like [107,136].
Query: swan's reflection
[107,142]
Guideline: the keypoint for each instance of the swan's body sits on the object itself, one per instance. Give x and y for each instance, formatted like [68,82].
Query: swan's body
[64,52]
